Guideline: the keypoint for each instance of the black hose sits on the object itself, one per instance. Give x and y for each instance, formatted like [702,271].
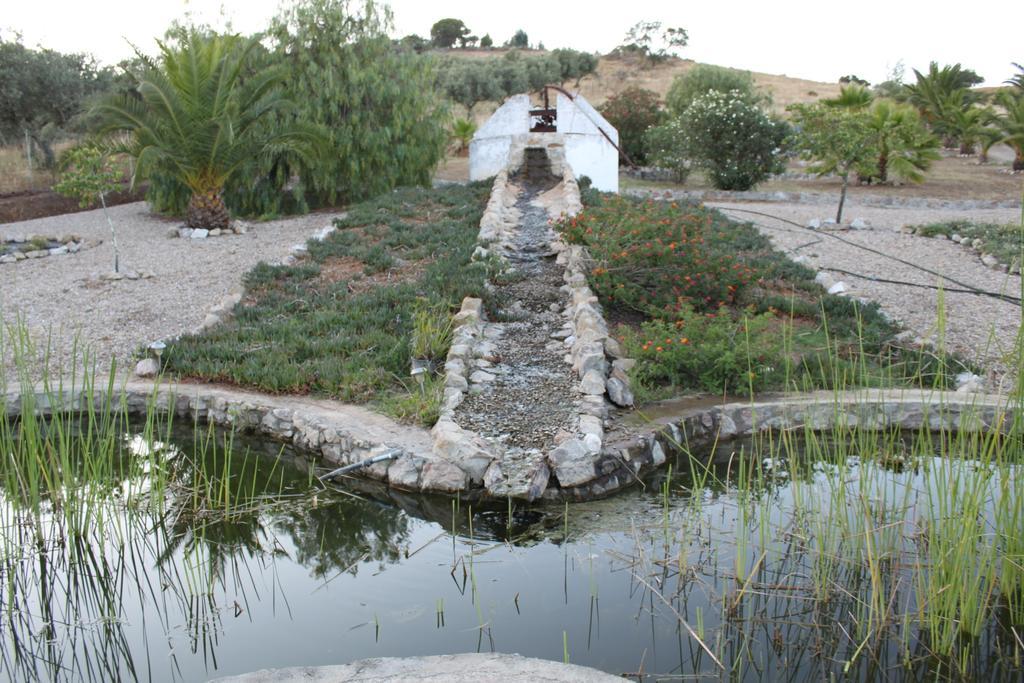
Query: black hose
[967,288]
[1003,297]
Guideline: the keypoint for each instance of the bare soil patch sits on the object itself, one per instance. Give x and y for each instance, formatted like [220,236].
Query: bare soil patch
[352,270]
[29,204]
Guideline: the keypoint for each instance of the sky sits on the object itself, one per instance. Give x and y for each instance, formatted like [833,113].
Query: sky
[817,40]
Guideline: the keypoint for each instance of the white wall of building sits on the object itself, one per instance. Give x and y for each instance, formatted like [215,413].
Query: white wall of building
[500,142]
[587,151]
[491,146]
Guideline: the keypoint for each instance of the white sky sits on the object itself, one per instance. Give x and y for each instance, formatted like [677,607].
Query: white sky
[819,40]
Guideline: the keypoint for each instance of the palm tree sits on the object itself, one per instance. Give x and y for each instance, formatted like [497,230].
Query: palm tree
[970,126]
[198,115]
[904,147]
[854,96]
[1018,80]
[940,91]
[1010,124]
[462,133]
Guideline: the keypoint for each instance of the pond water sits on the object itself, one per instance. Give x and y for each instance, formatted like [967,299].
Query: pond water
[260,566]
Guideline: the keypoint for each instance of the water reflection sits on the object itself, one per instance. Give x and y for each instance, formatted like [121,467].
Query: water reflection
[212,555]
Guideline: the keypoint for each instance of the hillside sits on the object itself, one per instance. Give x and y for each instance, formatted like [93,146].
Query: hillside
[615,74]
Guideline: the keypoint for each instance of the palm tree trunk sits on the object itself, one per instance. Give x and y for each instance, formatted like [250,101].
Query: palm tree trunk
[883,168]
[1018,161]
[207,210]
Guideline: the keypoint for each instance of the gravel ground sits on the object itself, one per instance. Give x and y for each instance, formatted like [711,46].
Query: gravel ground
[979,327]
[64,298]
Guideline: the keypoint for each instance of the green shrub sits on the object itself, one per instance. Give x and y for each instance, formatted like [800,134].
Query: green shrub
[666,151]
[713,352]
[633,111]
[735,142]
[1002,241]
[653,258]
[705,78]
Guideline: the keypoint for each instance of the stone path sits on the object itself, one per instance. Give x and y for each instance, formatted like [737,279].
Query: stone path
[525,402]
[523,398]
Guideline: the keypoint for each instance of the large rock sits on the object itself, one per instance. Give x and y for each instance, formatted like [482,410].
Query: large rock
[404,472]
[619,392]
[572,463]
[147,367]
[463,448]
[592,383]
[441,476]
[463,668]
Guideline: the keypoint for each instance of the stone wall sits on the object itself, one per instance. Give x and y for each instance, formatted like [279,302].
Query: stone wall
[340,434]
[627,458]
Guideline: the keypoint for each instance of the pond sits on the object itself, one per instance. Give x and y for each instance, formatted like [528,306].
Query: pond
[201,554]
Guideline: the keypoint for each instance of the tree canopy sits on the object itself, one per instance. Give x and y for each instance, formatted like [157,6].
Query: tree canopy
[446,32]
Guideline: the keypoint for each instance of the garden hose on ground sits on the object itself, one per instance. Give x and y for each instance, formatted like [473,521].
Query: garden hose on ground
[966,288]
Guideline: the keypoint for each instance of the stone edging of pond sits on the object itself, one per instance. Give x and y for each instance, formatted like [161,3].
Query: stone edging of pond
[23,247]
[343,434]
[339,433]
[458,668]
[629,457]
[823,198]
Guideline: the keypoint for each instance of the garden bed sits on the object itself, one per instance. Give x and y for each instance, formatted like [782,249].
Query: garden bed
[340,322]
[706,304]
[23,206]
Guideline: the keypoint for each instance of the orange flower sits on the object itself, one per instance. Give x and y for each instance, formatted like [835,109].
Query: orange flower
[684,340]
[658,349]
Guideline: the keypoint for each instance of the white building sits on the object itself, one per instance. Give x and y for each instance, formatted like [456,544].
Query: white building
[580,138]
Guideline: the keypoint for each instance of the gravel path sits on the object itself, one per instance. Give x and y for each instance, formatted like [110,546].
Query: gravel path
[64,297]
[979,327]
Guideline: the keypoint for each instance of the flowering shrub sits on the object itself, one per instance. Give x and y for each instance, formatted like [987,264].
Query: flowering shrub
[657,258]
[665,151]
[710,351]
[733,140]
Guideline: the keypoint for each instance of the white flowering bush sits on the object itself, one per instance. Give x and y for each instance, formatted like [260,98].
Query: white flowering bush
[732,139]
[665,149]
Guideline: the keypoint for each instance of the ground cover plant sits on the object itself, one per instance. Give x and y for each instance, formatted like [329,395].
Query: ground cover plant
[344,322]
[1002,241]
[704,303]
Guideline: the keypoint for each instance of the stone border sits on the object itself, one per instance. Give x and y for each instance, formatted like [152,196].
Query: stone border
[236,227]
[458,668]
[821,198]
[343,435]
[463,457]
[623,462]
[974,246]
[595,357]
[69,244]
[223,310]
[340,434]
